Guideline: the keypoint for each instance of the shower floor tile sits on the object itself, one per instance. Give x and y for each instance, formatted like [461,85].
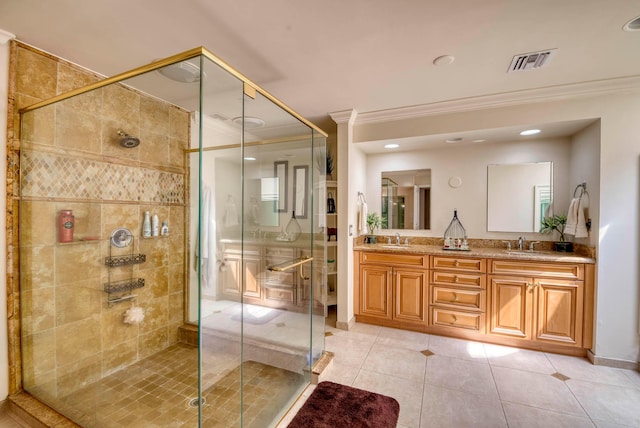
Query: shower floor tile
[157,391]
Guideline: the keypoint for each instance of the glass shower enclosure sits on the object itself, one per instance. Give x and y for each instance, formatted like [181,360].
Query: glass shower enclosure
[172,254]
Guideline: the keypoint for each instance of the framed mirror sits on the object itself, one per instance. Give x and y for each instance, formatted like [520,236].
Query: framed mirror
[406,199]
[300,192]
[281,173]
[519,196]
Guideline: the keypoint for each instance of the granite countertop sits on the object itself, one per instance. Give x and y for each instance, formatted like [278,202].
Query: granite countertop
[483,252]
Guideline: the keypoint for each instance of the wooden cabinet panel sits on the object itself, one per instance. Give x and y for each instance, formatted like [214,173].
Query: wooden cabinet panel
[392,259]
[409,295]
[375,291]
[279,295]
[458,279]
[559,314]
[458,263]
[458,298]
[459,319]
[510,307]
[555,270]
[231,275]
[252,269]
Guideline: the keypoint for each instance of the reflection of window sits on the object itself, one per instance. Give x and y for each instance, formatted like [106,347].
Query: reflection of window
[542,204]
[269,189]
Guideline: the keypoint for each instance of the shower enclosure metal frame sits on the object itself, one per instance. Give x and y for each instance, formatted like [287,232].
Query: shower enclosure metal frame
[314,139]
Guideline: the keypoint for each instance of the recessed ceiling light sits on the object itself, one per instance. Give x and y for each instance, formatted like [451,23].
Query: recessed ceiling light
[633,25]
[453,140]
[391,146]
[183,72]
[478,141]
[444,60]
[250,122]
[530,132]
[249,158]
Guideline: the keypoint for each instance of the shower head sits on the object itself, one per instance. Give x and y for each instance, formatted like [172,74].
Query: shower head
[127,141]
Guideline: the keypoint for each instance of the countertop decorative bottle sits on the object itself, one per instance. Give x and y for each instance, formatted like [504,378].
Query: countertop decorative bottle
[155,227]
[293,228]
[146,225]
[164,230]
[66,222]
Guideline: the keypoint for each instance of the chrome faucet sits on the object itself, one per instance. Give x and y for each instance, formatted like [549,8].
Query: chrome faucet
[521,243]
[397,238]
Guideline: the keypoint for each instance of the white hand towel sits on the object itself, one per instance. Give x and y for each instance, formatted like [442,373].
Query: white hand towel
[572,217]
[230,213]
[581,227]
[362,224]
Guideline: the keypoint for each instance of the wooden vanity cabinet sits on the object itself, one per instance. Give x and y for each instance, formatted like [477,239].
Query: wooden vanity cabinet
[544,305]
[543,302]
[235,265]
[458,294]
[392,289]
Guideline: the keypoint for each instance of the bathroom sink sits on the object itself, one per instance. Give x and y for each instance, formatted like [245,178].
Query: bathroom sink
[394,246]
[522,252]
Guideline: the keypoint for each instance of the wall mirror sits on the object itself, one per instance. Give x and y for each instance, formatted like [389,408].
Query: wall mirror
[406,199]
[300,190]
[519,196]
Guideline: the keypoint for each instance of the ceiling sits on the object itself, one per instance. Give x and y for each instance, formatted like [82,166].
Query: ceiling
[333,55]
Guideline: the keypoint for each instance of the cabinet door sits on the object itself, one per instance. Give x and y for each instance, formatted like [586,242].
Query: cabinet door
[252,268]
[410,295]
[559,313]
[375,291]
[510,311]
[230,277]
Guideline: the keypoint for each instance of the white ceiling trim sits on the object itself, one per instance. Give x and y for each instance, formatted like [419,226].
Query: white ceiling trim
[5,36]
[574,90]
[342,116]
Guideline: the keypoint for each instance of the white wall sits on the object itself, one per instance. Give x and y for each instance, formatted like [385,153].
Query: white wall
[585,168]
[618,229]
[470,164]
[4,84]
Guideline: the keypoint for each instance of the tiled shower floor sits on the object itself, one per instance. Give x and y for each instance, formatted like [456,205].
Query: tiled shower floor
[156,392]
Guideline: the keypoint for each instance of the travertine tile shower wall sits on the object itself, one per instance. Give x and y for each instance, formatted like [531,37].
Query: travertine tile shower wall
[71,159]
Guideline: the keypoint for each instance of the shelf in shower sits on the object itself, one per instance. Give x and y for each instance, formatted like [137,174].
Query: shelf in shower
[128,259]
[125,285]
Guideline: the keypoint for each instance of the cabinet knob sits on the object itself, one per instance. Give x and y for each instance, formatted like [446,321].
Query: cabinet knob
[455,318]
[456,263]
[455,278]
[455,297]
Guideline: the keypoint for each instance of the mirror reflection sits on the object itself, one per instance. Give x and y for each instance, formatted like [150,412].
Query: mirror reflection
[519,196]
[406,199]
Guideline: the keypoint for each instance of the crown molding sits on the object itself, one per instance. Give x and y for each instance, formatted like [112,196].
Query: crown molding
[505,99]
[343,116]
[5,36]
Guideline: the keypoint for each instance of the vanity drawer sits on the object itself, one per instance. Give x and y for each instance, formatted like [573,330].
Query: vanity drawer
[414,260]
[459,298]
[555,270]
[278,294]
[458,279]
[458,263]
[443,317]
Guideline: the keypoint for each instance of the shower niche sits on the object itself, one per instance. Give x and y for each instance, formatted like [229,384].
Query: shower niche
[204,135]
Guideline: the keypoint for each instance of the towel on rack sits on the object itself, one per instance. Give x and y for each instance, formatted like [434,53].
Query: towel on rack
[576,223]
[362,220]
[230,213]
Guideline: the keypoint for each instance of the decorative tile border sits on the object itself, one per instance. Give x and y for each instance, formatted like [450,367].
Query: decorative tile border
[48,175]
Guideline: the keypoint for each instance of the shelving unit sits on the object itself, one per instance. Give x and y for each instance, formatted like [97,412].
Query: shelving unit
[332,245]
[116,290]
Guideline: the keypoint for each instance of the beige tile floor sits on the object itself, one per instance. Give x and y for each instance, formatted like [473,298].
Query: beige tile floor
[470,384]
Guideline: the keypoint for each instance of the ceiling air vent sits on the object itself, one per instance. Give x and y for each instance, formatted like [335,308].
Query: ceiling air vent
[530,61]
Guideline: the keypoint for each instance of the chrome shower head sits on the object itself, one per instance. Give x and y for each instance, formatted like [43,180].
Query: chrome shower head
[127,141]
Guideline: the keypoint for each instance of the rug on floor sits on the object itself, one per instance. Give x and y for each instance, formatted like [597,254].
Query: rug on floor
[332,405]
